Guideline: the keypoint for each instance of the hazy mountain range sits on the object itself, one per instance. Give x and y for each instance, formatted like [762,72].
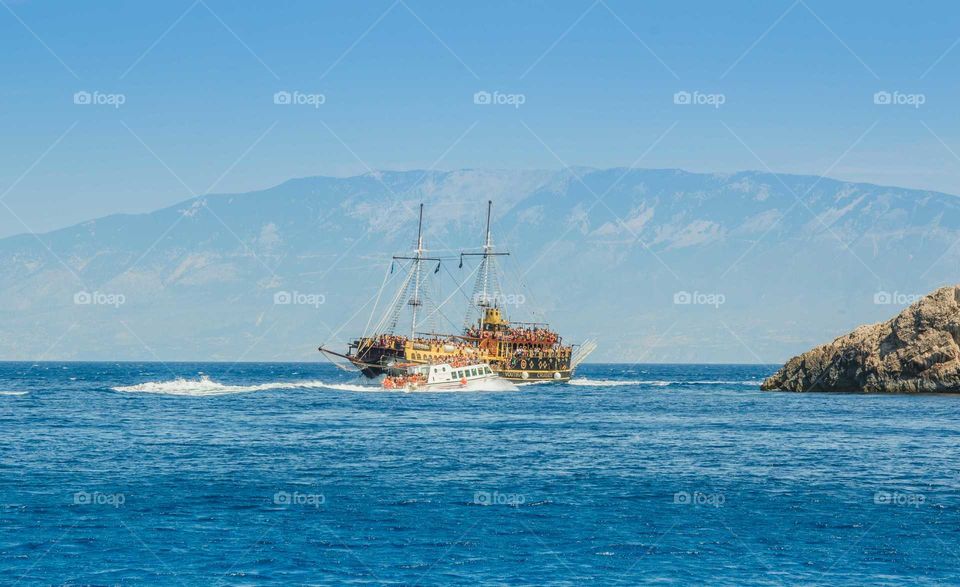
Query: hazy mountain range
[657,265]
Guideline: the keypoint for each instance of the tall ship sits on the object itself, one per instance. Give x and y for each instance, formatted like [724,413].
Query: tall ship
[516,351]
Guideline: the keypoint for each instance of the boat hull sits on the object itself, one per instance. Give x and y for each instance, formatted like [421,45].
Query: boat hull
[376,361]
[381,365]
[451,386]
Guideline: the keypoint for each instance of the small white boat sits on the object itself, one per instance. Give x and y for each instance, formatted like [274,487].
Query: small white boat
[441,377]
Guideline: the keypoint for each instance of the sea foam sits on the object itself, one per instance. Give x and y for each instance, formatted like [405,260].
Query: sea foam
[205,387]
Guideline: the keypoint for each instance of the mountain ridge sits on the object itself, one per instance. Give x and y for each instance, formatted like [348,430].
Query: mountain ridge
[369,174]
[198,275]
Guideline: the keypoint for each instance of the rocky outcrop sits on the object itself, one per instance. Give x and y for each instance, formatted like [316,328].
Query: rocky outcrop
[917,351]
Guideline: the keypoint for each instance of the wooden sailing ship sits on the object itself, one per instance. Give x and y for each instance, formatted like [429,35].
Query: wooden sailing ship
[515,351]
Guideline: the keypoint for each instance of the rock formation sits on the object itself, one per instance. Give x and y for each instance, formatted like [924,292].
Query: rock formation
[917,351]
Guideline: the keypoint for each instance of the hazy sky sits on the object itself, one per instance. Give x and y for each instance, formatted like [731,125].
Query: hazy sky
[187,93]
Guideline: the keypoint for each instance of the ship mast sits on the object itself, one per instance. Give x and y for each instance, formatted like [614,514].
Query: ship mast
[413,291]
[485,265]
[486,290]
[418,259]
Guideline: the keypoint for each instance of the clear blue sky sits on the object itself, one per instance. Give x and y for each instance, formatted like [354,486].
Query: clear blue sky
[597,79]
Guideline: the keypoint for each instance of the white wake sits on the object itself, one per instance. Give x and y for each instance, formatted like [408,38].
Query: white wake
[204,386]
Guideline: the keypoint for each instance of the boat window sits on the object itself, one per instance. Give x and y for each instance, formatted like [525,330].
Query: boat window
[473,372]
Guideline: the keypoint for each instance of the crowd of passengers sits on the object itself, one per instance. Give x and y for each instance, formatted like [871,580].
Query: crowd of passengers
[523,335]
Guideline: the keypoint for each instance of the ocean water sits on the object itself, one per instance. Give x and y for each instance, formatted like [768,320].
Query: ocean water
[252,474]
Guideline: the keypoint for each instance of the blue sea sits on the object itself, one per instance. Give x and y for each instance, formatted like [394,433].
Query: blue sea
[290,474]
